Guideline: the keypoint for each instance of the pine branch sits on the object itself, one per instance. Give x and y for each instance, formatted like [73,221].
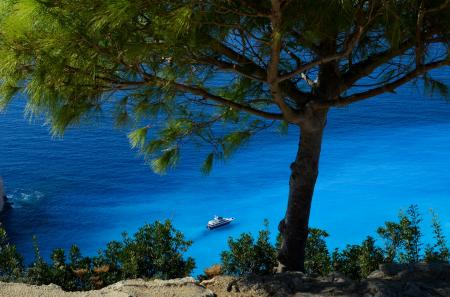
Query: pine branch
[350,44]
[387,87]
[272,70]
[199,91]
[205,94]
[251,68]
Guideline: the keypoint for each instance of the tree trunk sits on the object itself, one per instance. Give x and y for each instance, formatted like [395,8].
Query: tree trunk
[304,171]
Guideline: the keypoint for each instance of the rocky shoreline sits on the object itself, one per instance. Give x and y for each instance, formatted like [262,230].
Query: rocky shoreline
[4,203]
[2,195]
[419,280]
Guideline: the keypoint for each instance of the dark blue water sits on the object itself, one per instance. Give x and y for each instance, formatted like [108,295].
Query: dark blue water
[378,156]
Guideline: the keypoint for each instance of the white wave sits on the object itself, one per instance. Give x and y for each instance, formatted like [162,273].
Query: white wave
[21,197]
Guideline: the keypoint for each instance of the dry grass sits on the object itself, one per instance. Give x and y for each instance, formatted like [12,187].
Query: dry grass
[80,273]
[102,269]
[213,271]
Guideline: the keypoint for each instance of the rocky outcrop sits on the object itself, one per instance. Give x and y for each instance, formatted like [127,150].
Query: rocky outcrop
[184,287]
[2,195]
[420,280]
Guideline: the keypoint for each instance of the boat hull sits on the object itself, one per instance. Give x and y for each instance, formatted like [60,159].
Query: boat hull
[215,226]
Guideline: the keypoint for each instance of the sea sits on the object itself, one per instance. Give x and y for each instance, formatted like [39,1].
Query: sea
[378,157]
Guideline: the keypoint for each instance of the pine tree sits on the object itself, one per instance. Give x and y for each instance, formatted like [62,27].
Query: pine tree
[179,70]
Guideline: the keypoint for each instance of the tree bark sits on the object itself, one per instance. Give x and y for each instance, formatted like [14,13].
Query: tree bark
[304,172]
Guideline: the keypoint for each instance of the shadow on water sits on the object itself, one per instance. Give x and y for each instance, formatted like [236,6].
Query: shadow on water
[218,231]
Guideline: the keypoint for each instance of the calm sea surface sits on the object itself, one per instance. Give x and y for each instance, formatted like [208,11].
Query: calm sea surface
[378,156]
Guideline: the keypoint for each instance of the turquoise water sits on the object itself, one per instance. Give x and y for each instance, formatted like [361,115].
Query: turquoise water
[378,156]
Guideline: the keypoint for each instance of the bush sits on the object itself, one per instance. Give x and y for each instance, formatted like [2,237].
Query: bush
[358,261]
[249,257]
[402,239]
[317,257]
[439,252]
[370,257]
[39,273]
[11,263]
[211,272]
[155,251]
[402,245]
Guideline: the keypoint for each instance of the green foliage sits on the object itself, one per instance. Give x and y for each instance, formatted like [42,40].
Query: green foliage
[151,63]
[317,258]
[370,256]
[358,261]
[439,252]
[402,239]
[137,137]
[245,256]
[166,160]
[39,272]
[346,261]
[208,164]
[72,59]
[234,140]
[10,260]
[402,245]
[154,251]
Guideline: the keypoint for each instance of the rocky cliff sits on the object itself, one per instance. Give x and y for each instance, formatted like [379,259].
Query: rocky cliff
[2,195]
[418,280]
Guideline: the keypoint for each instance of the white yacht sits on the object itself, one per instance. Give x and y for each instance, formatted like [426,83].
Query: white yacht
[218,222]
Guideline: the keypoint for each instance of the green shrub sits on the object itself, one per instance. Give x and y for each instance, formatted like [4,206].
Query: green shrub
[245,256]
[39,273]
[346,261]
[358,261]
[11,262]
[155,251]
[439,252]
[370,257]
[317,257]
[403,239]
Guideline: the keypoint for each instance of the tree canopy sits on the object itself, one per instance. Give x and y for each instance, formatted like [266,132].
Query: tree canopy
[217,72]
[179,69]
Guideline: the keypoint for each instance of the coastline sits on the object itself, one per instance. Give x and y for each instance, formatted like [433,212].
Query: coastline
[2,195]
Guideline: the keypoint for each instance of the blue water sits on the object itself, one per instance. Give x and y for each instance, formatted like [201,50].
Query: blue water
[86,188]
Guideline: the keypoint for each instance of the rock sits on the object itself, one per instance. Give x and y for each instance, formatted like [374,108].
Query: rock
[392,269]
[184,287]
[2,195]
[376,274]
[298,285]
[418,280]
[336,277]
[421,271]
